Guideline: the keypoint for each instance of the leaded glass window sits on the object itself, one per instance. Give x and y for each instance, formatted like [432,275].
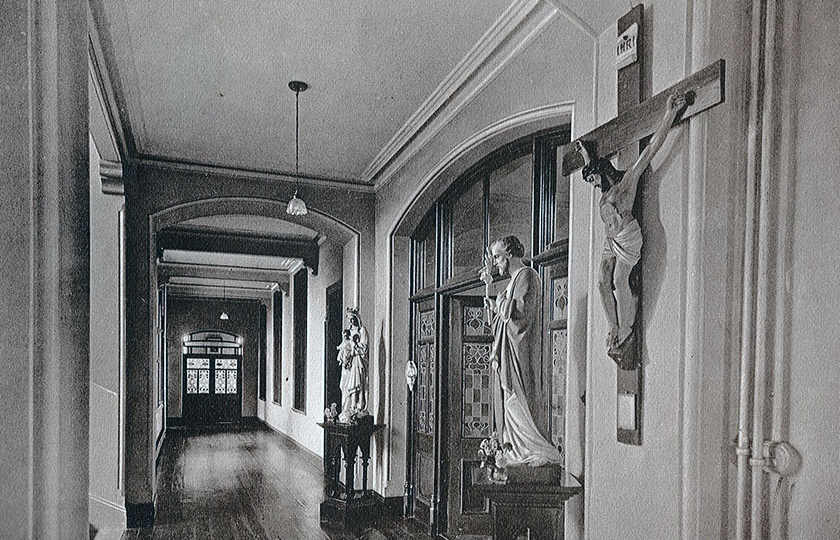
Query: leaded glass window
[468,229]
[511,205]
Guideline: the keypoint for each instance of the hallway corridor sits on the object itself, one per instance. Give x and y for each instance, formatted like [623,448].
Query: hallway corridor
[245,483]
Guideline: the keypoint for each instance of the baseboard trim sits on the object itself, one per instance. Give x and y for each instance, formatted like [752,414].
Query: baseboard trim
[139,515]
[106,503]
[311,457]
[105,515]
[177,422]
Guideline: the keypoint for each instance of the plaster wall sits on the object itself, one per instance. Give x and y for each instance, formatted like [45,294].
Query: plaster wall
[676,484]
[692,204]
[642,480]
[44,290]
[302,425]
[811,277]
[107,505]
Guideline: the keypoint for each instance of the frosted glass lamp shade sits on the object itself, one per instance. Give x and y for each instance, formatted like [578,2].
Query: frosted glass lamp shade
[296,207]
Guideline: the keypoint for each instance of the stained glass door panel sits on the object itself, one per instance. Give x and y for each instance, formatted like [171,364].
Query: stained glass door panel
[227,396]
[424,353]
[470,411]
[211,390]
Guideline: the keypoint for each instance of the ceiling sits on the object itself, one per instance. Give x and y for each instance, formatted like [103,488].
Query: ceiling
[206,82]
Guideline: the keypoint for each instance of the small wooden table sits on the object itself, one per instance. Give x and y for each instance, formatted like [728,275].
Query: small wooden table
[530,499]
[344,504]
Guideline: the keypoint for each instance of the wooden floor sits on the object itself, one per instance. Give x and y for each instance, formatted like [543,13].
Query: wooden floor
[246,483]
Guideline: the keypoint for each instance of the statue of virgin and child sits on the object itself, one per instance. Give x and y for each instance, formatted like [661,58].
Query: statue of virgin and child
[353,358]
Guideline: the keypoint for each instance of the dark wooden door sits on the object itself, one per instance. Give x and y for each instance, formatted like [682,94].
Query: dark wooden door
[332,336]
[212,389]
[469,412]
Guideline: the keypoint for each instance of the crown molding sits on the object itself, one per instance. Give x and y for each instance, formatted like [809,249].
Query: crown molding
[111,176]
[159,162]
[107,91]
[575,19]
[511,33]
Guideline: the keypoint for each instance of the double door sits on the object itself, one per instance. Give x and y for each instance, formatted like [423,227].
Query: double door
[452,414]
[212,390]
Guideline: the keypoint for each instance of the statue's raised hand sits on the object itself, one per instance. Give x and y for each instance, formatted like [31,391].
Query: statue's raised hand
[676,103]
[486,272]
[584,153]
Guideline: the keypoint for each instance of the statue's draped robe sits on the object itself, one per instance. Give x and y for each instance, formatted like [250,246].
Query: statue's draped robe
[516,350]
[354,377]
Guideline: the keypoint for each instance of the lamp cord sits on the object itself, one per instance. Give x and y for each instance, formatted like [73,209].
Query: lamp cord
[297,130]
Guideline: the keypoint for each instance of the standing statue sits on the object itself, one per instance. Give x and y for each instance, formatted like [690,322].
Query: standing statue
[353,357]
[623,247]
[516,353]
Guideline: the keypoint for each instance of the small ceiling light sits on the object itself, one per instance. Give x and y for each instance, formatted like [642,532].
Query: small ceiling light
[296,206]
[224,316]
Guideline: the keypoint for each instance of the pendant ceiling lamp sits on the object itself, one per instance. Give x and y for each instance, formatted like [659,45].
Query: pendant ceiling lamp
[296,206]
[224,316]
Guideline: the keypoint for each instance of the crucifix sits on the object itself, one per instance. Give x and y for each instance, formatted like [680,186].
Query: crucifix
[619,282]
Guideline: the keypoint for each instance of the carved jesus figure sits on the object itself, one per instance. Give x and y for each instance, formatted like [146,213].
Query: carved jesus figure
[623,246]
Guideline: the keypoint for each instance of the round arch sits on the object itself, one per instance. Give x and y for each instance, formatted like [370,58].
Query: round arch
[427,191]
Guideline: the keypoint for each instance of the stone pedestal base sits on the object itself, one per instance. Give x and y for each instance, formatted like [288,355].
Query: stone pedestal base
[345,505]
[362,510]
[529,503]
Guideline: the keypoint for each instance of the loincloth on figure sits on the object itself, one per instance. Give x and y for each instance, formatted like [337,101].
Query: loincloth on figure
[626,246]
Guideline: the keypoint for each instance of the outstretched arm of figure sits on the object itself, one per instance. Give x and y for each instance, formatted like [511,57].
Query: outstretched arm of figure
[676,104]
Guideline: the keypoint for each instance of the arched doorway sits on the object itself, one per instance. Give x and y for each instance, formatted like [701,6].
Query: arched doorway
[511,190]
[211,387]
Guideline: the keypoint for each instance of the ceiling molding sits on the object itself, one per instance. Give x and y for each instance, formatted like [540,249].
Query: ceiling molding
[108,91]
[576,19]
[511,33]
[111,176]
[106,143]
[159,162]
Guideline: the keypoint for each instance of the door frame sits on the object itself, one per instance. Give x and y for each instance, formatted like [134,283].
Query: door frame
[449,361]
[333,325]
[212,344]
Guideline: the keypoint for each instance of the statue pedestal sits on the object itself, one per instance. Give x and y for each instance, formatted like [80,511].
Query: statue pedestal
[344,504]
[532,500]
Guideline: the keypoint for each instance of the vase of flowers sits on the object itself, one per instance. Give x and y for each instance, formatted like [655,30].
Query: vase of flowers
[492,452]
[331,414]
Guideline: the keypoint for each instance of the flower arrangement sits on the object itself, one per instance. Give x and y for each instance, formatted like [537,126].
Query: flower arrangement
[331,414]
[492,453]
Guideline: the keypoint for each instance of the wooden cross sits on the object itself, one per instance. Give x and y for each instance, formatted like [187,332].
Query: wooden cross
[637,120]
[705,89]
